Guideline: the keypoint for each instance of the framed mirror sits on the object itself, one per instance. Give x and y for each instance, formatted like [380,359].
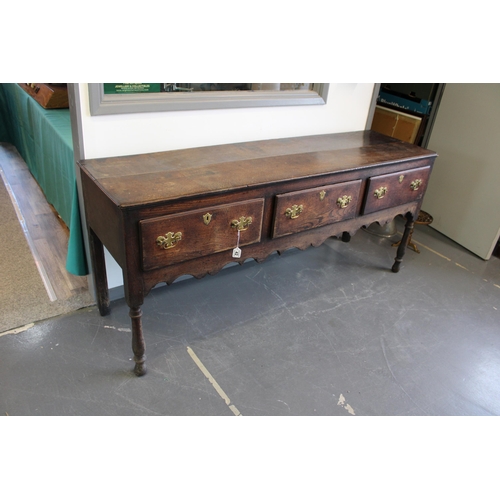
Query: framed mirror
[118,98]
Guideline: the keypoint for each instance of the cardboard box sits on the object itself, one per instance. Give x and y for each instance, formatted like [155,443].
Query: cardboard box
[396,124]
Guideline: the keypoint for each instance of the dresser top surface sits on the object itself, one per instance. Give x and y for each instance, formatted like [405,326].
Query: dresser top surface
[153,177]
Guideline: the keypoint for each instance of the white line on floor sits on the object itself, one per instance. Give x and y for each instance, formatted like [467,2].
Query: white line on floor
[18,330]
[426,247]
[217,387]
[441,255]
[345,405]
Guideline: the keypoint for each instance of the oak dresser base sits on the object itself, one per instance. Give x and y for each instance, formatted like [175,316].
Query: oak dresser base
[163,215]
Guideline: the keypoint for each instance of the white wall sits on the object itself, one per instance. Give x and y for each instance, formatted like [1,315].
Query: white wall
[346,110]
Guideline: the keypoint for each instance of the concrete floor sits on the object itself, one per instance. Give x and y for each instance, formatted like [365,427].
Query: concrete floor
[328,331]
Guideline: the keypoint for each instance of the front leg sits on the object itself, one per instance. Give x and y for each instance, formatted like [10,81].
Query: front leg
[404,242]
[138,344]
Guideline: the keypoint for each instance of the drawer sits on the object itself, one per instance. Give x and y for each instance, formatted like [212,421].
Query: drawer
[391,190]
[188,235]
[310,208]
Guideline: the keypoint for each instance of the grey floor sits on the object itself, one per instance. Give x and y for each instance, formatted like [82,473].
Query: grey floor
[327,331]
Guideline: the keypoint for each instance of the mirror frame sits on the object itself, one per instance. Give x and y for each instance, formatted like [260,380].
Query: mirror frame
[109,104]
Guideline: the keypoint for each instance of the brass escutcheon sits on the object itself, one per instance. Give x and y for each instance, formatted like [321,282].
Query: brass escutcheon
[401,177]
[207,218]
[169,240]
[294,212]
[415,184]
[322,195]
[241,224]
[344,201]
[380,192]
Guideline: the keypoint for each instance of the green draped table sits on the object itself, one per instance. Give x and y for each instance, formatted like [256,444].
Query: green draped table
[43,139]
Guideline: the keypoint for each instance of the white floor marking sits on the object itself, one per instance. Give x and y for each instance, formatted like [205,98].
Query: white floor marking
[128,330]
[18,330]
[342,403]
[427,248]
[217,387]
[441,255]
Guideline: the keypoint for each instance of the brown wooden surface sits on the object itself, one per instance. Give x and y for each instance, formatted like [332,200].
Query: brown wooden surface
[317,211]
[157,177]
[198,238]
[398,189]
[132,201]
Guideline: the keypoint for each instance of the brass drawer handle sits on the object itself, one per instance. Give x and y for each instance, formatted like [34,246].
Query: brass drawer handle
[415,184]
[343,201]
[380,192]
[241,224]
[294,212]
[169,240]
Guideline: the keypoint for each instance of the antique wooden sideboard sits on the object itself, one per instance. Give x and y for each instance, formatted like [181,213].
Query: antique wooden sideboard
[192,211]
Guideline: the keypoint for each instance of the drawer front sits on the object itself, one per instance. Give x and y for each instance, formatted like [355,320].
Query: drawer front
[302,210]
[391,190]
[188,235]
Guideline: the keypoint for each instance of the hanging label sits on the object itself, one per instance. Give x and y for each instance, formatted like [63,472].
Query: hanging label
[237,250]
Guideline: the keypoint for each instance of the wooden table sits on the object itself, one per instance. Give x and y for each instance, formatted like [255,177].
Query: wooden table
[163,215]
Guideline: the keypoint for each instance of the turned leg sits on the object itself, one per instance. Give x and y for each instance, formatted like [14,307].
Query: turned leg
[346,237]
[99,270]
[138,344]
[403,244]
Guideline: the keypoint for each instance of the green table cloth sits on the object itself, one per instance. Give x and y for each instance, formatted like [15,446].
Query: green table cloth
[43,139]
